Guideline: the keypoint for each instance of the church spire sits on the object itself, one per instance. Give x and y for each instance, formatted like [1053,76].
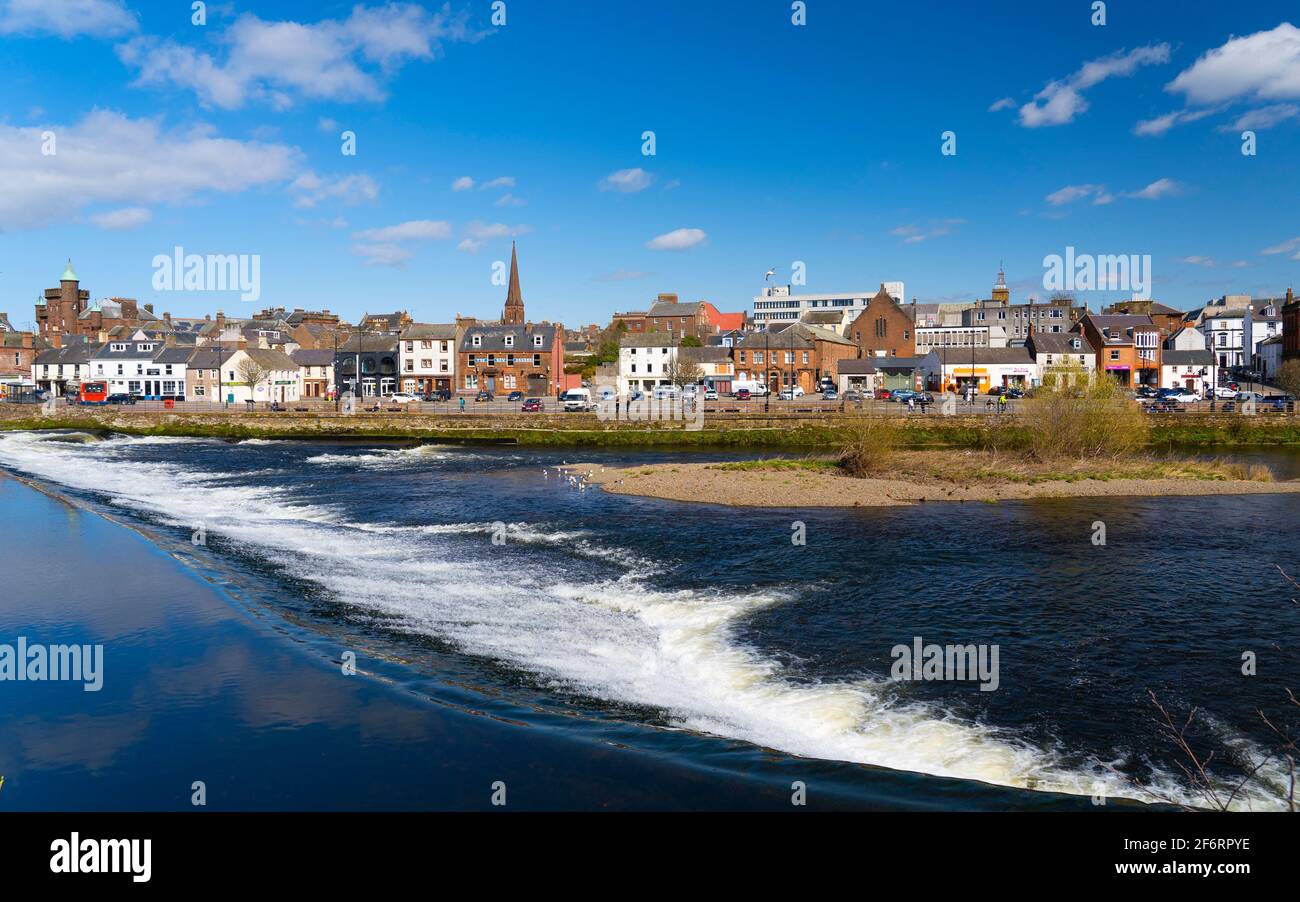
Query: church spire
[513,315]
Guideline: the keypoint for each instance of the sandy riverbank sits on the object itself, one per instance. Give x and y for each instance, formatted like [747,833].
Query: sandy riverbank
[824,487]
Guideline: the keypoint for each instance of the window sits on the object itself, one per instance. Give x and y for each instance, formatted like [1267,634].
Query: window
[537,341]
[442,366]
[410,366]
[758,357]
[410,347]
[426,345]
[476,341]
[1114,355]
[882,327]
[510,360]
[473,360]
[471,380]
[510,341]
[444,347]
[426,363]
[537,360]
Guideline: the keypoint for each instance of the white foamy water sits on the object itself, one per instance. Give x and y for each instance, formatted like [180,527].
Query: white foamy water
[617,638]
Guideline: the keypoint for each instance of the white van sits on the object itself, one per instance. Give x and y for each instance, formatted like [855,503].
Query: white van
[577,399]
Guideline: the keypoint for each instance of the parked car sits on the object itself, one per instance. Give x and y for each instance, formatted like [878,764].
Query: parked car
[441,394]
[1015,393]
[402,397]
[852,395]
[923,397]
[1278,402]
[515,396]
[576,400]
[483,396]
[742,394]
[902,395]
[120,398]
[710,394]
[533,405]
[791,392]
[1255,396]
[830,394]
[1225,392]
[1183,395]
[883,394]
[637,396]
[1164,405]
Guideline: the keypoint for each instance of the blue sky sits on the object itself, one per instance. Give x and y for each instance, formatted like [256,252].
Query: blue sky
[775,143]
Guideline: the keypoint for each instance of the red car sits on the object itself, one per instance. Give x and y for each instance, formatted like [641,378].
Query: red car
[742,394]
[883,394]
[533,405]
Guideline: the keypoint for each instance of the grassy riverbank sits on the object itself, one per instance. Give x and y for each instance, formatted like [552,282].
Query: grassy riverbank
[824,433]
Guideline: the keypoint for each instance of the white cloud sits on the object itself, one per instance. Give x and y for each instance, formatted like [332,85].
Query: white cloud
[479,233]
[275,62]
[627,181]
[505,181]
[464,183]
[122,220]
[1285,247]
[509,200]
[66,18]
[382,254]
[1197,260]
[309,189]
[327,125]
[1060,101]
[1261,66]
[414,230]
[1158,189]
[1005,103]
[677,240]
[912,234]
[1263,117]
[1161,124]
[108,158]
[1070,193]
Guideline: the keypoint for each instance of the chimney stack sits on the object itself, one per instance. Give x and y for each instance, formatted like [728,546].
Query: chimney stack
[57,339]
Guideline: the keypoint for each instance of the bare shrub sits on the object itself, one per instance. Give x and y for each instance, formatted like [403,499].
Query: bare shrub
[1083,418]
[870,446]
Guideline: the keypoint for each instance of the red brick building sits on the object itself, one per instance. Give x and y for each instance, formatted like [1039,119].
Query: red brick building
[883,328]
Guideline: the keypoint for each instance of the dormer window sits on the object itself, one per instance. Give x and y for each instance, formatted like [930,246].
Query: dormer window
[476,341]
[145,349]
[510,341]
[117,348]
[537,341]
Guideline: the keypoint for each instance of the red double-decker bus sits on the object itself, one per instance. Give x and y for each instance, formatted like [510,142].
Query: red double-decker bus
[93,393]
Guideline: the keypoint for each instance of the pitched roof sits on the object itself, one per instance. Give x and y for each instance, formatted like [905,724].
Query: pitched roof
[429,331]
[1187,358]
[711,354]
[493,338]
[646,340]
[850,366]
[1059,343]
[313,356]
[80,352]
[676,308]
[270,359]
